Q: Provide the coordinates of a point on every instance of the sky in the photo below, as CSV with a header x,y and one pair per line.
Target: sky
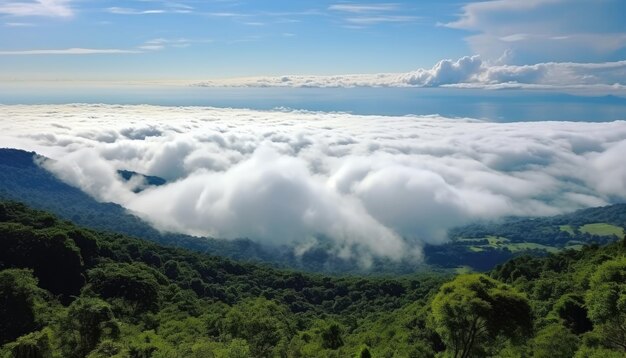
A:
x,y
375,186
209,39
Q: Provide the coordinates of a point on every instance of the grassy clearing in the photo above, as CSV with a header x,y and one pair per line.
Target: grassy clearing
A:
x,y
470,240
496,240
568,229
515,247
462,270
602,229
493,240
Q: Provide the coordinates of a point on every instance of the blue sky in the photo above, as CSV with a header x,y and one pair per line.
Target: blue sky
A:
x,y
194,39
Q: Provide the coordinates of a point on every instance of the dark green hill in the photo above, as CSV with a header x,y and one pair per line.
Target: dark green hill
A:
x,y
22,179
67,291
149,287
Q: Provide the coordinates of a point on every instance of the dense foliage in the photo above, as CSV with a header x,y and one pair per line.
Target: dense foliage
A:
x,y
72,292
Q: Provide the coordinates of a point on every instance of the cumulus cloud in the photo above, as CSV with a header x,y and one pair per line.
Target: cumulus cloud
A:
x,y
469,71
373,185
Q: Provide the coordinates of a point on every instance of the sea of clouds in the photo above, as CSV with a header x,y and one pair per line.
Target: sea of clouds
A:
x,y
466,72
378,185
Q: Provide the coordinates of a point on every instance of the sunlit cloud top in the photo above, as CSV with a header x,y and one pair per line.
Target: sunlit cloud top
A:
x,y
377,186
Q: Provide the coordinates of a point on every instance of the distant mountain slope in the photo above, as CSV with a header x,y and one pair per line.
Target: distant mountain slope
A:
x,y
23,180
483,245
144,180
480,246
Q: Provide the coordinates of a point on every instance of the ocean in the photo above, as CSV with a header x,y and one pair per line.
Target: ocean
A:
x,y
489,105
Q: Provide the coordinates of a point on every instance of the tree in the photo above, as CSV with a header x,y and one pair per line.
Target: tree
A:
x,y
53,257
136,283
594,352
331,336
33,345
475,311
262,323
19,295
606,302
554,341
571,309
88,321
364,352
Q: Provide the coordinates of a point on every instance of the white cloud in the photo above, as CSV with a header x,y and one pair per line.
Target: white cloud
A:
x,y
584,30
19,24
46,8
129,11
372,185
445,72
363,8
379,19
474,15
361,15
162,43
68,51
471,72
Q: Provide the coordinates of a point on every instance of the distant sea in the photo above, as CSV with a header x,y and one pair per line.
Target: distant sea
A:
x,y
490,105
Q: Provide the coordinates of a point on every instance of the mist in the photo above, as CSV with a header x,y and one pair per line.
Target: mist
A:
x,y
374,186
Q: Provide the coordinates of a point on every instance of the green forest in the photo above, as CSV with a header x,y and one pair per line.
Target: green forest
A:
x,y
67,291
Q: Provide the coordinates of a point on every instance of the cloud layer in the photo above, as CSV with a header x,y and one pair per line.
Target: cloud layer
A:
x,y
469,71
379,186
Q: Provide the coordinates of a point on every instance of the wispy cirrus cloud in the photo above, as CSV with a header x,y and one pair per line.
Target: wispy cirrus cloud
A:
x,y
43,8
362,15
156,7
67,51
19,24
129,11
373,20
162,43
364,8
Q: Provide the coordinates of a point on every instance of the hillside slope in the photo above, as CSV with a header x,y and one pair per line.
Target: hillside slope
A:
x,y
23,180
72,292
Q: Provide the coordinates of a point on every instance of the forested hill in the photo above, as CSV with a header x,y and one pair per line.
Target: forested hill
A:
x,y
483,245
150,301
66,291
480,246
23,180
